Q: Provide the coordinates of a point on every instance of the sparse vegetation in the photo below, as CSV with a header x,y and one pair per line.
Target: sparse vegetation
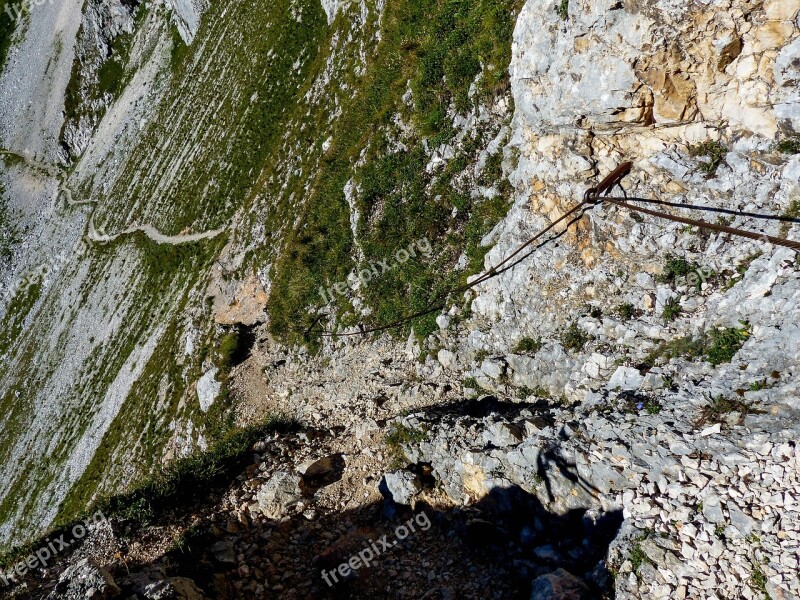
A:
x,y
528,345
720,407
789,145
563,9
402,435
759,581
472,383
725,342
714,151
8,25
792,212
717,346
186,481
638,557
676,267
626,311
672,309
574,338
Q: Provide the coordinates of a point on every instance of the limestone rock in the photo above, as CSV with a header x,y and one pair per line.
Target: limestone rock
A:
x,y
403,486
280,493
86,579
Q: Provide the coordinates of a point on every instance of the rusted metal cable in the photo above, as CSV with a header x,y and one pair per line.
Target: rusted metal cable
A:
x,y
763,237
591,197
491,273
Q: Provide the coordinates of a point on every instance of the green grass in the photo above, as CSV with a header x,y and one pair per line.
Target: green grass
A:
x,y
675,268
86,91
789,145
714,151
792,212
672,309
638,557
725,342
176,486
437,46
626,311
717,346
472,383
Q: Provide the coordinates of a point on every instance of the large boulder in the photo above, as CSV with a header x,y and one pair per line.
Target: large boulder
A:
x,y
403,486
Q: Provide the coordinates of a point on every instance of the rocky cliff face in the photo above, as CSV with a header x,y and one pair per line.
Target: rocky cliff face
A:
x,y
248,176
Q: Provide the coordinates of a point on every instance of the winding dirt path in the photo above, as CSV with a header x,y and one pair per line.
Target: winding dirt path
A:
x,y
101,237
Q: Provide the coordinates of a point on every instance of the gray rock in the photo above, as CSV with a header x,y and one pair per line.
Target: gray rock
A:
x,y
403,486
86,579
281,492
317,467
223,551
626,378
447,359
493,367
559,585
502,434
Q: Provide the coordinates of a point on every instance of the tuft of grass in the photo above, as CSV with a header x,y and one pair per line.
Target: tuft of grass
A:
x,y
626,311
759,581
718,346
792,212
725,342
574,338
720,406
471,382
714,151
672,309
528,345
638,557
402,435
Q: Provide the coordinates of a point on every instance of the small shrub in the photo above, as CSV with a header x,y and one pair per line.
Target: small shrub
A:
x,y
574,338
471,382
563,9
528,345
789,145
714,151
672,309
626,311
676,267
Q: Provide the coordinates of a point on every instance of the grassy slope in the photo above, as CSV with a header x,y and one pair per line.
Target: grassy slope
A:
x,y
240,130
438,47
